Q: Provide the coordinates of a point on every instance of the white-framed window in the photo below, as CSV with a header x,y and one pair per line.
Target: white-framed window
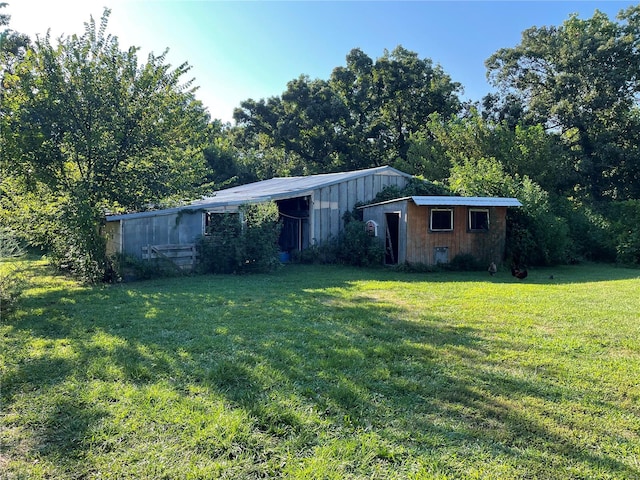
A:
x,y
478,219
441,220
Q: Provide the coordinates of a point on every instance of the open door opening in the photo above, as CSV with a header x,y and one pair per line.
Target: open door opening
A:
x,y
392,231
294,215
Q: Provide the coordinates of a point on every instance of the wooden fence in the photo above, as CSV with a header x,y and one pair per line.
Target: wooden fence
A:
x,y
183,255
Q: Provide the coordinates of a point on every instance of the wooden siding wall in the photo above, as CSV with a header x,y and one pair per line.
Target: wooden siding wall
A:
x,y
330,203
485,246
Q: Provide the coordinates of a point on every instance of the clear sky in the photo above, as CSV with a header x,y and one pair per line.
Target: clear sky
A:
x,y
246,49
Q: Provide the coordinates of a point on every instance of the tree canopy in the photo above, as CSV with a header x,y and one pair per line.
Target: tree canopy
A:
x,y
89,120
362,116
92,127
582,80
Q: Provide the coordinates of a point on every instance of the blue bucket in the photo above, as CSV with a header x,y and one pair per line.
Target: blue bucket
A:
x,y
284,257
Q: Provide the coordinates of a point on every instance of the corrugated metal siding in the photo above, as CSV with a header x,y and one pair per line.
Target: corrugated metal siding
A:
x,y
378,214
114,237
331,202
180,228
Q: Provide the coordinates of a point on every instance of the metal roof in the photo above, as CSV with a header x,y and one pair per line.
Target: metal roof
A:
x,y
466,201
287,187
451,201
278,188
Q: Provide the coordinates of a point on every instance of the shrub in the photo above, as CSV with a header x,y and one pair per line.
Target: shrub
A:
x,y
220,250
324,253
11,287
76,245
536,234
12,282
589,232
241,242
354,246
625,227
465,262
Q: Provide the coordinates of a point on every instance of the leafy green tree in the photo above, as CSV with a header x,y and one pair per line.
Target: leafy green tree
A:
x,y
362,116
507,109
13,47
581,80
355,86
304,121
410,89
391,99
101,131
523,150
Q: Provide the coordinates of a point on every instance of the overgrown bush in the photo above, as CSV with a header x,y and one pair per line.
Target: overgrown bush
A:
x,y
354,246
324,253
536,234
12,284
465,262
220,250
78,247
589,232
625,229
242,242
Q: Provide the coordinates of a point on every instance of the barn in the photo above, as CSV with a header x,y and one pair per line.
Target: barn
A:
x,y
311,209
429,230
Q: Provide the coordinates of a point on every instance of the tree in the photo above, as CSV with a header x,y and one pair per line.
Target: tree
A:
x,y
100,131
582,80
362,116
13,47
391,99
410,89
305,120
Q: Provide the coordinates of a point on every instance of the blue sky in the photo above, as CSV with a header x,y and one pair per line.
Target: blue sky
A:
x,y
243,49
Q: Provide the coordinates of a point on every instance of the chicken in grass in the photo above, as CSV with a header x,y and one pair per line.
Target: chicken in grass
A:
x,y
519,272
492,269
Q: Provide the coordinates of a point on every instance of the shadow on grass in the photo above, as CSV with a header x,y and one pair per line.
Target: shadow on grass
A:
x,y
305,358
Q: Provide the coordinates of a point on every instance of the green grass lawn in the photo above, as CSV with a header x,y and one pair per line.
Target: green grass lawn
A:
x,y
325,372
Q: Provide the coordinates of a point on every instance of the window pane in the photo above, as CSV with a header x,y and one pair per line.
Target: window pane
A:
x,y
478,220
441,219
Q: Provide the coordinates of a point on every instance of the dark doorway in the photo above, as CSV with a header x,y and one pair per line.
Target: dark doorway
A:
x,y
392,230
294,215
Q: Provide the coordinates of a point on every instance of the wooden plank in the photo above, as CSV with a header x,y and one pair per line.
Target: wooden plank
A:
x,y
184,256
175,246
485,246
